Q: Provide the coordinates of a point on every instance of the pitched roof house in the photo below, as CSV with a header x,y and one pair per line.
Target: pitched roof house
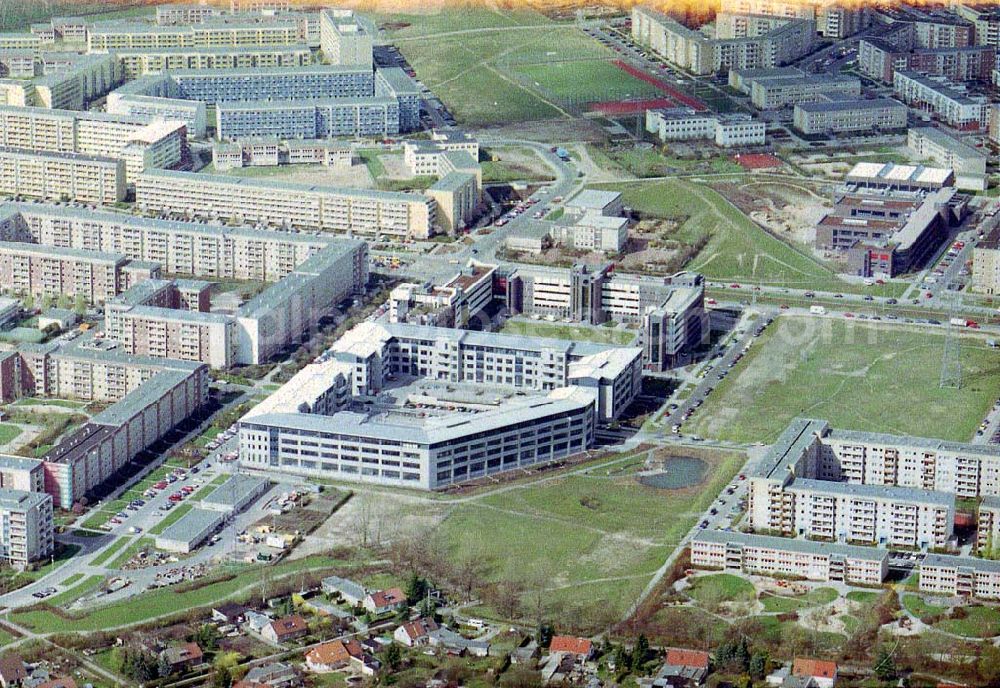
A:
x,y
285,629
567,644
414,633
822,672
183,657
385,601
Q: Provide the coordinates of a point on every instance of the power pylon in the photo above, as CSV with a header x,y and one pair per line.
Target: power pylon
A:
x,y
951,358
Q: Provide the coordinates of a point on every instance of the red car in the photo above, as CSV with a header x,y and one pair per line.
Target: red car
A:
x,y
848,315
734,286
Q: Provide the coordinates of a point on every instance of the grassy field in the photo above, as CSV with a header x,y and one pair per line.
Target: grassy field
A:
x,y
587,81
814,598
602,335
858,377
35,401
8,432
165,601
736,249
591,540
17,16
111,551
524,63
719,587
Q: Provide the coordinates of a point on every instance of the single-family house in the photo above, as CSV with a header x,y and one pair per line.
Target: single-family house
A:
x,y
180,658
63,682
821,671
229,613
414,633
285,629
455,643
257,621
682,668
571,645
384,601
274,675
352,593
337,654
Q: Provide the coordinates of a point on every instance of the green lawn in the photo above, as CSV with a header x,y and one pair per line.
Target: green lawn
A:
x,y
371,159
780,604
37,401
602,335
720,587
587,81
856,376
111,551
131,551
500,76
76,592
736,249
72,579
8,432
863,596
171,518
592,540
979,622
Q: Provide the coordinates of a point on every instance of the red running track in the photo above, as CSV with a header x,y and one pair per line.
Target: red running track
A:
x,y
631,107
678,96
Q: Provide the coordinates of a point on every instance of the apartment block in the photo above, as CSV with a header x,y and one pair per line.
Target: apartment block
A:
x,y
847,486
968,163
741,41
305,206
764,555
772,93
343,39
847,116
151,61
985,20
833,19
184,13
60,176
26,527
47,271
72,81
964,576
946,100
988,527
124,35
20,473
986,264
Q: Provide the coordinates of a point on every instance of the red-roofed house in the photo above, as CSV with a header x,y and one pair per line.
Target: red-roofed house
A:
x,y
823,672
65,682
567,644
384,601
414,633
286,628
684,667
335,655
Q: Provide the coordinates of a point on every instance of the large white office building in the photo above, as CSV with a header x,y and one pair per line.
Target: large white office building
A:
x,y
310,427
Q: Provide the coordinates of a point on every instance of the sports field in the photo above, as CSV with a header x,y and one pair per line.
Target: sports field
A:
x,y
856,376
497,67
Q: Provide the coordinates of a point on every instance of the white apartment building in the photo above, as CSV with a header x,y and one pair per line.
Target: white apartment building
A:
x,y
968,163
60,176
862,487
948,101
965,576
785,557
26,528
741,41
986,264
592,232
285,204
122,35
20,473
143,61
846,116
833,19
684,124
988,526
772,93
344,40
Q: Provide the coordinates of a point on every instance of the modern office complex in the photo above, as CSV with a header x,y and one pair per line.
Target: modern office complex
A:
x,y
741,41
452,304
848,116
885,231
286,204
573,385
928,473
685,124
61,176
26,527
946,100
784,557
